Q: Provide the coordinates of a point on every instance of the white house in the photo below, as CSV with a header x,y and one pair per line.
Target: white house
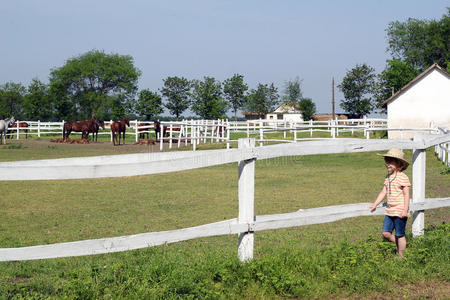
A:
x,y
288,111
424,100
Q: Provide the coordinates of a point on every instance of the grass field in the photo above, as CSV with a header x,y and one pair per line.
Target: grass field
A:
x,y
340,259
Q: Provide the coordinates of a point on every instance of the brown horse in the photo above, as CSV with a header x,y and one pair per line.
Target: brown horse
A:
x,y
157,126
144,131
118,127
85,127
13,129
94,126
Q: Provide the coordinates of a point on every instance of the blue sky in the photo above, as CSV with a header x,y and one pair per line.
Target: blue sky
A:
x,y
266,41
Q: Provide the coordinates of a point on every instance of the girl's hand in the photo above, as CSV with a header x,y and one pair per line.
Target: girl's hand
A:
x,y
404,214
372,207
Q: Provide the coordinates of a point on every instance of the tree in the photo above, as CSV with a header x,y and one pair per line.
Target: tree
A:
x,y
357,87
308,108
149,104
262,100
292,90
11,100
89,80
37,104
420,43
207,100
395,76
176,90
234,89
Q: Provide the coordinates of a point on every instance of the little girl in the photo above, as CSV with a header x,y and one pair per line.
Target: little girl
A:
x,y
396,188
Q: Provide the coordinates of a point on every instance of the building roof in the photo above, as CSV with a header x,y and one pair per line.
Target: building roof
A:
x,y
288,107
434,66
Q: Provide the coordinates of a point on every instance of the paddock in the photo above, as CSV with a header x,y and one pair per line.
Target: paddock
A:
x,y
246,223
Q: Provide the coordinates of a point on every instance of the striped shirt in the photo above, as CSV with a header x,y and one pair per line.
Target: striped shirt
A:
x,y
394,184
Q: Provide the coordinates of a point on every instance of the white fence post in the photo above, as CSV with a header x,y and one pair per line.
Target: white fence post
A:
x,y
136,131
39,128
171,136
228,134
418,176
161,137
246,202
17,130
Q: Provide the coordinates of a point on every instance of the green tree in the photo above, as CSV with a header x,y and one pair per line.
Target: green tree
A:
x,y
420,43
37,104
292,91
149,104
176,91
395,76
11,100
234,90
308,108
358,86
207,100
89,80
263,99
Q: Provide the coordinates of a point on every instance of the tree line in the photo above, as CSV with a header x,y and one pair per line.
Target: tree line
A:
x,y
106,85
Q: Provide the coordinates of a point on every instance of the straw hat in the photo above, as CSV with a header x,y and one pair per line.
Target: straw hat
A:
x,y
397,154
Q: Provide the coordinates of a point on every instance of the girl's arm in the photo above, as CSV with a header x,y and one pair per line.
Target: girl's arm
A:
x,y
406,202
380,198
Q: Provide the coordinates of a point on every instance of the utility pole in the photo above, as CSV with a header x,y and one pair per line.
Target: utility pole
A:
x,y
333,116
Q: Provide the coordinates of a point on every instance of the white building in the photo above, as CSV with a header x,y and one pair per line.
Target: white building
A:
x,y
423,101
288,111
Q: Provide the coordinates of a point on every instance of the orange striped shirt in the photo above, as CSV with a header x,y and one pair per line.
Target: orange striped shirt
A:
x,y
394,186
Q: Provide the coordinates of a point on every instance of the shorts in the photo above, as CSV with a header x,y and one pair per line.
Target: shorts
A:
x,y
397,223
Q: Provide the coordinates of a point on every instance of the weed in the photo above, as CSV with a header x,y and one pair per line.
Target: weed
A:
x,y
445,171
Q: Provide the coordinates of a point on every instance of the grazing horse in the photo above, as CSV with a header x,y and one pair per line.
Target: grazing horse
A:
x,y
84,127
4,124
157,126
118,127
21,125
95,126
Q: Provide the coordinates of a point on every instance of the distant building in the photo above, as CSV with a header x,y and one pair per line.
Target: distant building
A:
x,y
253,116
328,117
288,111
423,100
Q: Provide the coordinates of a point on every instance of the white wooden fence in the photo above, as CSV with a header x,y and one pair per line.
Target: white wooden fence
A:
x,y
246,223
194,132
443,150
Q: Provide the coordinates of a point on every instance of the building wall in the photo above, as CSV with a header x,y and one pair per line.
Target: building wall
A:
x,y
428,100
293,117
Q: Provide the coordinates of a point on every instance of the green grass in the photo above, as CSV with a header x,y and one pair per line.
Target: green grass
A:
x,y
327,260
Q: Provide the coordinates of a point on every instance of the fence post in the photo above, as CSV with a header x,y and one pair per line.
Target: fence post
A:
x,y
246,202
17,129
418,176
171,136
136,131
39,128
228,134
161,137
